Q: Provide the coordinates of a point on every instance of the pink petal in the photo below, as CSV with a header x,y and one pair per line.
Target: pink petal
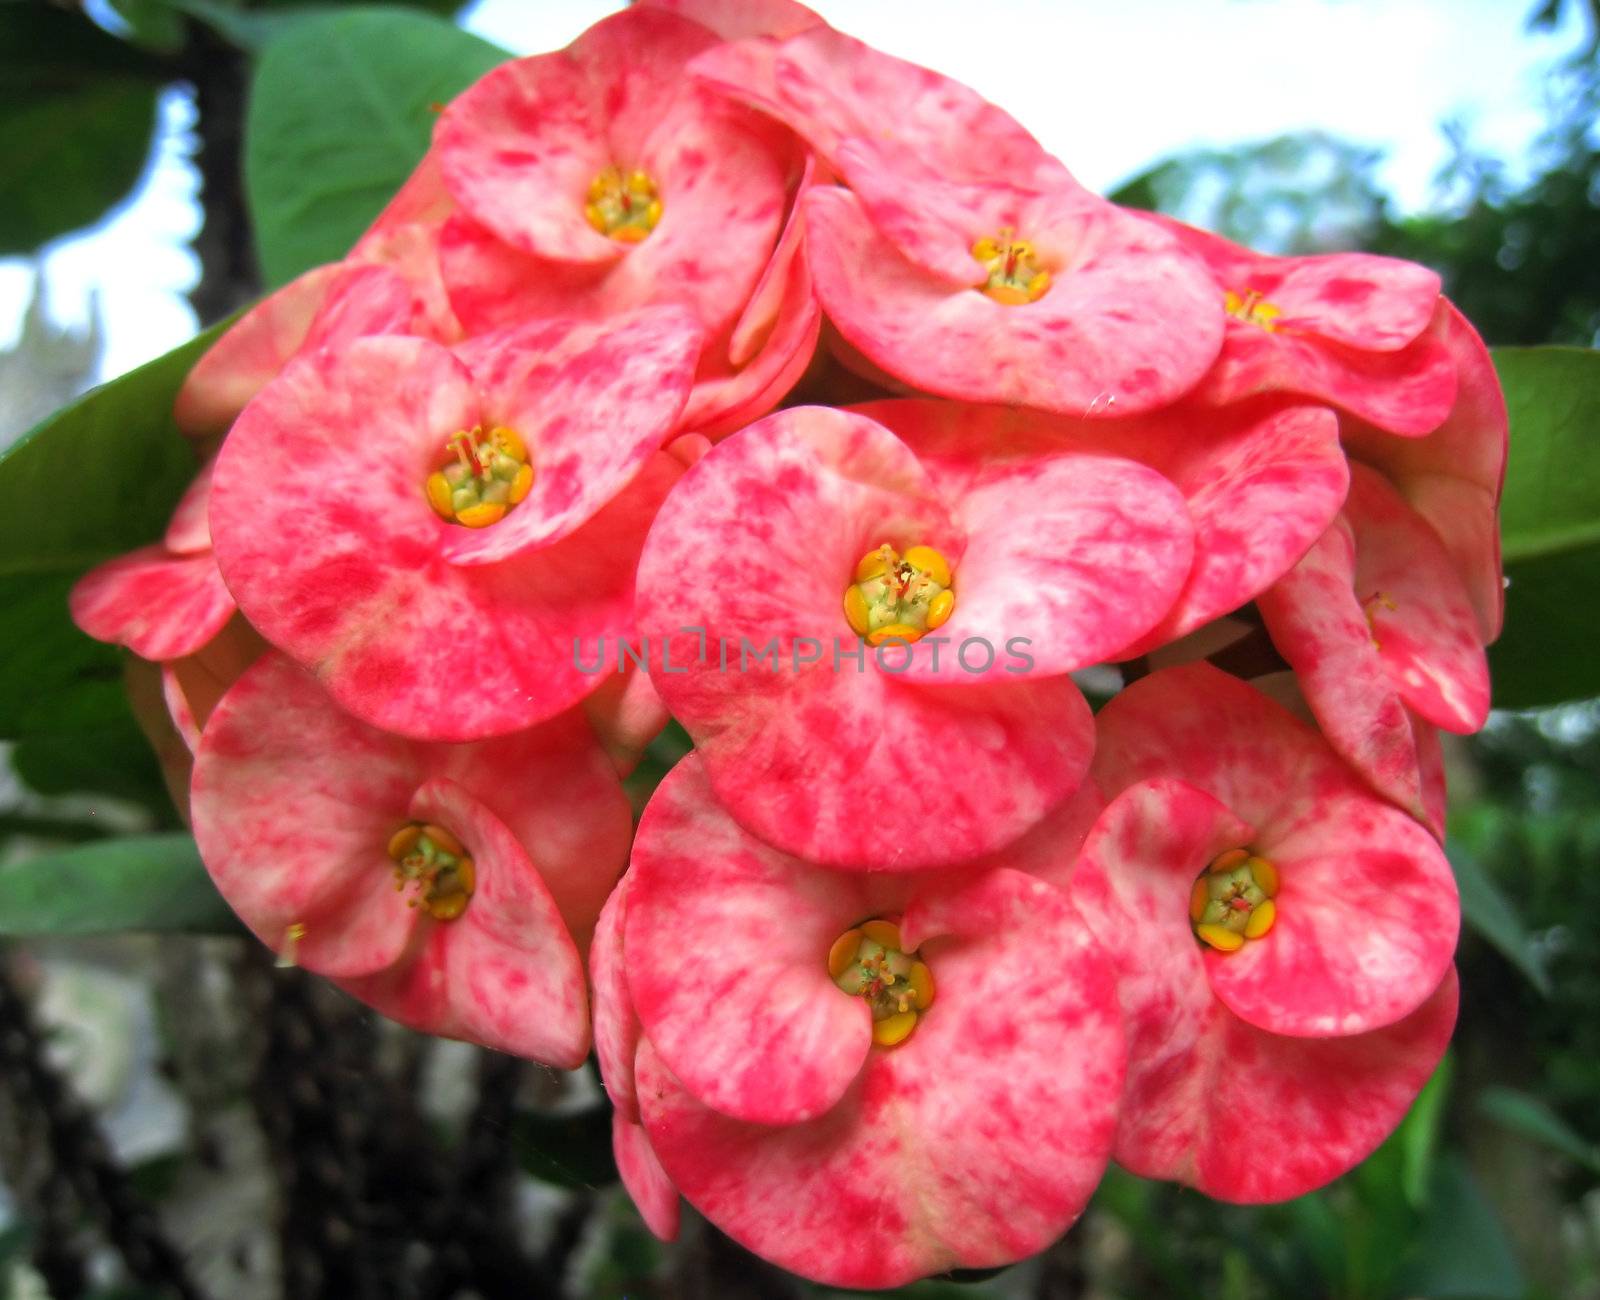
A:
x,y
616,1027
1452,476
1124,328
727,943
337,557
1314,1106
828,87
592,403
160,605
973,1144
189,531
1079,553
293,804
734,20
626,713
756,546
328,304
505,973
1318,625
422,201
1428,641
192,686
647,1183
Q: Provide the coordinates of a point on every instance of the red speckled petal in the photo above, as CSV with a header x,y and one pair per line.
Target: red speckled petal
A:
x,y
616,1027
326,305
1129,325
520,147
192,685
974,1143
646,1181
293,804
1318,625
422,201
189,529
505,973
1430,763
626,713
756,546
1428,640
1317,1106
1452,477
160,605
592,403
827,87
736,20
1079,554
727,950
336,557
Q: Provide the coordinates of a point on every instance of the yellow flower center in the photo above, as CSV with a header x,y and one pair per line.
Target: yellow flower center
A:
x,y
1232,901
868,962
1015,276
625,206
481,477
1252,309
898,596
430,863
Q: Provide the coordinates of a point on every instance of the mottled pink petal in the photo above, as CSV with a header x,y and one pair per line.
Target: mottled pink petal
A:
x,y
616,1026
339,560
1367,911
1079,553
192,685
423,201
828,87
1452,476
974,1143
646,1181
756,547
1313,1107
592,402
727,944
1128,324
505,973
328,304
735,20
159,605
294,803
627,714
189,529
1318,625
1422,621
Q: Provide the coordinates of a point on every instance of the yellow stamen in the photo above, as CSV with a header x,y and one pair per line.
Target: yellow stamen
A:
x,y
884,933
404,840
1261,919
900,631
855,610
940,608
894,1029
481,515
1015,277
442,839
873,564
921,985
627,207
899,597
1198,897
521,484
1266,876
930,562
439,495
1229,860
1252,308
843,953
1220,938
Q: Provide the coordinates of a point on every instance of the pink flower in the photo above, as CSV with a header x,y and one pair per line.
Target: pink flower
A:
x,y
452,887
1283,941
1376,624
788,565
864,1078
165,601
1452,476
601,178
430,531
1348,328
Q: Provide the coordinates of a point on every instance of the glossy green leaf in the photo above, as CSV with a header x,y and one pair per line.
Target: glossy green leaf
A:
x,y
77,113
1550,528
1487,910
1529,1117
135,882
1461,1251
341,110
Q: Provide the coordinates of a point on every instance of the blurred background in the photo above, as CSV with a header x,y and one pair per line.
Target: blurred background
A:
x,y
179,1118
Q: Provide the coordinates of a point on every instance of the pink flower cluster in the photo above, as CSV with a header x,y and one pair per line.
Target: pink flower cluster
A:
x,y
723,366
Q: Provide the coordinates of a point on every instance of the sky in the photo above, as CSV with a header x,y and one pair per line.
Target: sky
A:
x,y
1109,89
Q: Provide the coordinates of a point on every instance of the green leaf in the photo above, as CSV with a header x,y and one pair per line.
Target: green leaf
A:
x,y
571,1149
1550,527
341,110
154,24
1489,912
78,116
1529,1117
1418,1135
136,882
1461,1251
